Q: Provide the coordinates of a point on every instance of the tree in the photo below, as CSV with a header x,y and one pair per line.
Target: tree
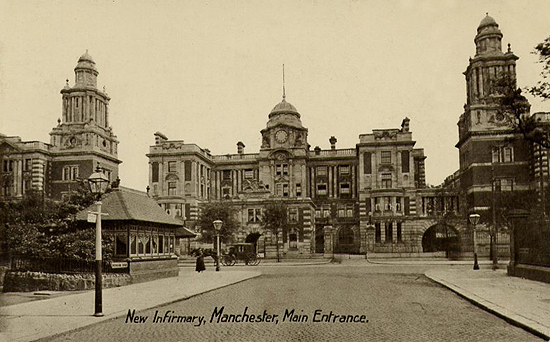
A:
x,y
542,89
275,219
40,227
219,210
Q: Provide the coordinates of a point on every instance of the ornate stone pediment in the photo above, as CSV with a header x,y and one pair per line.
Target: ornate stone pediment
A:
x,y
386,168
389,134
172,145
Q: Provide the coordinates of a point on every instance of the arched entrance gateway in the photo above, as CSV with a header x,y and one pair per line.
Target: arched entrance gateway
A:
x,y
347,240
441,238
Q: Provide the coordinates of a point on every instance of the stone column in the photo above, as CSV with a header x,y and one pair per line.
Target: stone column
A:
x,y
329,233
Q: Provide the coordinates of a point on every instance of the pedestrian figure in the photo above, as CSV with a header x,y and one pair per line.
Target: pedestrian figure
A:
x,y
200,262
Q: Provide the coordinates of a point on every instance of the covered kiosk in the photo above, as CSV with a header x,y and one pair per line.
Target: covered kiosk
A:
x,y
144,234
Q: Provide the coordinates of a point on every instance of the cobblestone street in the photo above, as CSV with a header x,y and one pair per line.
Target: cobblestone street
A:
x,y
399,303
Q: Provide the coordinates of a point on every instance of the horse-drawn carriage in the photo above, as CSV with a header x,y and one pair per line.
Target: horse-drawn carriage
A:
x,y
240,252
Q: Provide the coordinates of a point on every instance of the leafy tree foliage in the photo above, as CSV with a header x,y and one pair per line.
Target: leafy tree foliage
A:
x,y
542,89
219,210
275,219
40,227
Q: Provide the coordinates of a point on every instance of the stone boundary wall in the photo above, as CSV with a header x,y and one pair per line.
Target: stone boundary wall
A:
x,y
37,281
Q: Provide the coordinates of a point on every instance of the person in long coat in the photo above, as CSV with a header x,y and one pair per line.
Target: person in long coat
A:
x,y
199,267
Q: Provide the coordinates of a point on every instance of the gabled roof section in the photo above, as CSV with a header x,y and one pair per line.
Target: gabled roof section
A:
x,y
126,204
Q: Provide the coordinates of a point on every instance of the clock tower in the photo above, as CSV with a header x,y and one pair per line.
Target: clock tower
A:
x,y
83,137
283,153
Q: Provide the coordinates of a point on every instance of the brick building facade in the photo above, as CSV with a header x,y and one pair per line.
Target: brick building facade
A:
x,y
81,140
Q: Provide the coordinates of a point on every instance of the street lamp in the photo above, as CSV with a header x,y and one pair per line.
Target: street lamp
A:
x,y
218,227
474,219
98,183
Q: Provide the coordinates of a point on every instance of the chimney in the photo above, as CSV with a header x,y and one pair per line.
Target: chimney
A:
x,y
240,147
333,141
160,138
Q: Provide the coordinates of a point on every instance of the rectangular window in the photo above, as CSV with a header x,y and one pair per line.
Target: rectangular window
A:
x,y
298,189
385,157
399,232
367,163
386,180
496,155
155,170
70,173
285,169
251,215
74,173
226,174
171,166
285,190
405,158
248,174
344,169
317,213
321,170
172,188
326,211
508,154
187,170
344,188
407,205
349,211
377,204
322,189
293,214
377,232
254,215
342,212
179,210
28,164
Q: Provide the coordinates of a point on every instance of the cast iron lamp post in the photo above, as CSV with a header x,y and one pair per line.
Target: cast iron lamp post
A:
x,y
98,183
474,219
218,227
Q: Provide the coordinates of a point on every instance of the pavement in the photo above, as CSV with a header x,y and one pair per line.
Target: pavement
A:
x,y
520,302
38,319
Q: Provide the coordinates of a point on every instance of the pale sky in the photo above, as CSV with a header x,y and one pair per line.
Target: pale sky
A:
x,y
209,72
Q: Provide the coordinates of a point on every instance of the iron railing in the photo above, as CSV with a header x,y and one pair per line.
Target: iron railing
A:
x,y
60,265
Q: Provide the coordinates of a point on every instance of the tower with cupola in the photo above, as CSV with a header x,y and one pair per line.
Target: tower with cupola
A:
x,y
83,136
492,156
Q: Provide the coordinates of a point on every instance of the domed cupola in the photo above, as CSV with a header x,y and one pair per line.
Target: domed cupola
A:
x,y
86,72
284,113
488,38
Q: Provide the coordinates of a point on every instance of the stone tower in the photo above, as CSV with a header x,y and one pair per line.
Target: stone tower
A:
x,y
83,136
491,157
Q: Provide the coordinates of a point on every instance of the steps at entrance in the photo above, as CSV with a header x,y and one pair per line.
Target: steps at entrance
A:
x,y
420,256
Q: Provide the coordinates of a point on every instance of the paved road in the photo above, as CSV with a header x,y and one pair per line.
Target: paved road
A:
x,y
398,302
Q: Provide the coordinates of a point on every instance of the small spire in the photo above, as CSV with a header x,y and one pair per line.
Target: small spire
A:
x,y
509,47
284,94
486,13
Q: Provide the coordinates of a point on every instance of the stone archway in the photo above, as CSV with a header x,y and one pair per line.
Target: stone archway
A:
x,y
441,238
347,240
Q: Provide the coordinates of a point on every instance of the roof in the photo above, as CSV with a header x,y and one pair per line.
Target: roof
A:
x,y
124,204
183,232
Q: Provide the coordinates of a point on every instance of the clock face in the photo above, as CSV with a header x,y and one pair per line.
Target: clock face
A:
x,y
281,136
